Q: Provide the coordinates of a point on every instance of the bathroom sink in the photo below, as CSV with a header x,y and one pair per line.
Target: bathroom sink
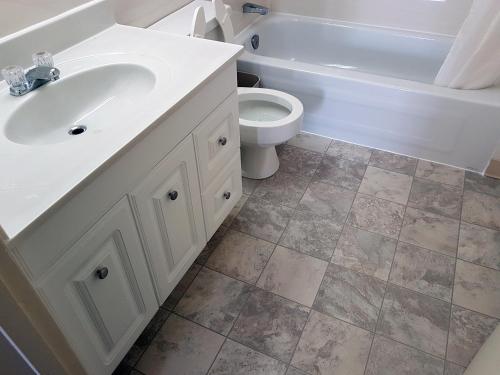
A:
x,y
88,100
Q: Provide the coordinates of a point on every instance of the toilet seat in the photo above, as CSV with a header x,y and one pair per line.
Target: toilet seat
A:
x,y
275,126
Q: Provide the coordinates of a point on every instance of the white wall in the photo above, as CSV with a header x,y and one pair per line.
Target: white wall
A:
x,y
438,16
18,14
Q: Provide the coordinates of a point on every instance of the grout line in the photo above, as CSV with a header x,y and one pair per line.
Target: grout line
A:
x,y
411,347
454,272
480,225
387,282
476,264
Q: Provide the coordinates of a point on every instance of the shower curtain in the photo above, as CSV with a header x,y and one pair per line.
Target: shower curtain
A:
x,y
474,59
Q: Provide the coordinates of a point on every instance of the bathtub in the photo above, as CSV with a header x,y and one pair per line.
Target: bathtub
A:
x,y
373,86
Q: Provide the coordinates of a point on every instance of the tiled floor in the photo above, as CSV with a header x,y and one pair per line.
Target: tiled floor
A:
x,y
347,261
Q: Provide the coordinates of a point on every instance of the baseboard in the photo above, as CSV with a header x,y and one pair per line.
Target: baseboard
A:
x,y
493,169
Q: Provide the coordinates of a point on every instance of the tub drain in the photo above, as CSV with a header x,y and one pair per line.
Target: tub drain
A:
x,y
76,130
255,41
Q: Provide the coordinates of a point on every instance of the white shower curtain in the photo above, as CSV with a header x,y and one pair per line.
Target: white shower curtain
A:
x,y
474,59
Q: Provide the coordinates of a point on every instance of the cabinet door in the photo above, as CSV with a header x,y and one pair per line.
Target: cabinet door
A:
x,y
100,291
217,139
169,211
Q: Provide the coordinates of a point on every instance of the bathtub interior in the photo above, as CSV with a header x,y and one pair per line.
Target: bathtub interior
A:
x,y
407,55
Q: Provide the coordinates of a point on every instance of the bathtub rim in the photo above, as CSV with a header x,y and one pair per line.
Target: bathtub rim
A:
x,y
488,96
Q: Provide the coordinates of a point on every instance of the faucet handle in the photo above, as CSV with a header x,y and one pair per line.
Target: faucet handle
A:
x,y
43,58
14,76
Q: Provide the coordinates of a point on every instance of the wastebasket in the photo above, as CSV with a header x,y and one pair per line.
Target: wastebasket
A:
x,y
248,80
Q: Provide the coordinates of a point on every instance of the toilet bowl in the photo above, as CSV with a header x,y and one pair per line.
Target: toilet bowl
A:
x,y
267,118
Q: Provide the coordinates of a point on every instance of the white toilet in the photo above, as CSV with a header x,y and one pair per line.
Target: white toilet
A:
x,y
267,118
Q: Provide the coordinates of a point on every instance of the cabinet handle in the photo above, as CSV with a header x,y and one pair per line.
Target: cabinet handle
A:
x,y
173,195
227,195
102,272
222,141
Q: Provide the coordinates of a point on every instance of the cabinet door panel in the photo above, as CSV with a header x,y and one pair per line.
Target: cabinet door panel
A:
x,y
217,138
169,211
111,321
100,292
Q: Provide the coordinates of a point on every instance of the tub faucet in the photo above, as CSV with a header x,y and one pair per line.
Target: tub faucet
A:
x,y
22,82
254,8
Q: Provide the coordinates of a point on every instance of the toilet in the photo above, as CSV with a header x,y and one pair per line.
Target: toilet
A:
x,y
267,117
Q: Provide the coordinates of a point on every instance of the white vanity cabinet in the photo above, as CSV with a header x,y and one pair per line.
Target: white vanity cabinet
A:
x,y
100,291
105,258
169,212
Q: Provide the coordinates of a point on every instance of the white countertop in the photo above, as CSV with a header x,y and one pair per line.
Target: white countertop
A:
x,y
34,178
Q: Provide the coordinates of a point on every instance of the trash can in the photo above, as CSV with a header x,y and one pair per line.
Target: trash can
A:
x,y
248,80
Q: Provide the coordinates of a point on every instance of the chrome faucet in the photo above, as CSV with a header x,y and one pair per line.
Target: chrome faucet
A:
x,y
255,8
21,82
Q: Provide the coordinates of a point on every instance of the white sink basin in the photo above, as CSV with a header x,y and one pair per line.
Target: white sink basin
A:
x,y
92,94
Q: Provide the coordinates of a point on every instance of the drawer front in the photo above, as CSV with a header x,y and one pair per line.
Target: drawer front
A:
x,y
100,292
168,207
216,139
222,195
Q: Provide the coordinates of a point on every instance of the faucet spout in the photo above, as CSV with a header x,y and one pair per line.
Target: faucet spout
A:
x,y
255,8
43,73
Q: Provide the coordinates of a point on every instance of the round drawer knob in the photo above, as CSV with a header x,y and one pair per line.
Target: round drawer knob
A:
x,y
102,272
227,195
173,195
222,141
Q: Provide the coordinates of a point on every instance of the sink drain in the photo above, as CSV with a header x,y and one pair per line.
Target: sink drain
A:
x,y
76,130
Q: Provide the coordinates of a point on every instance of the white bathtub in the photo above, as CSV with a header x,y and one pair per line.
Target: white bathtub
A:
x,y
373,86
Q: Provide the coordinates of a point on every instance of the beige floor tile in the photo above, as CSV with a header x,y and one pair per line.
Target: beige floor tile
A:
x,y
437,198
181,347
393,162
415,320
440,173
468,332
477,288
430,231
376,215
241,256
365,252
213,300
388,357
423,271
236,359
479,245
386,185
293,275
310,142
349,151
481,209
329,346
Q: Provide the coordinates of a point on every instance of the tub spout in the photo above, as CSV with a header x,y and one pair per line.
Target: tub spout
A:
x,y
254,8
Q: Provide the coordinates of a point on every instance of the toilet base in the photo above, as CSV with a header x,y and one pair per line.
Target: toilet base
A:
x,y
259,162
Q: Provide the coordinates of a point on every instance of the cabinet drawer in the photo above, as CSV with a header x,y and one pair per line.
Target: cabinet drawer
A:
x,y
222,195
100,292
168,207
216,139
